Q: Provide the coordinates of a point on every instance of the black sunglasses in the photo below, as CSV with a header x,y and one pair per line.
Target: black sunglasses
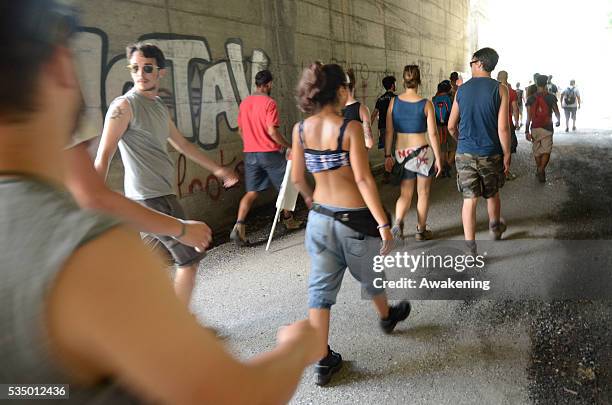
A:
x,y
145,68
473,61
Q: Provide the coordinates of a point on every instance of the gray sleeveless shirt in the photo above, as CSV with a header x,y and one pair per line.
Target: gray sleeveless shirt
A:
x,y
149,171
40,227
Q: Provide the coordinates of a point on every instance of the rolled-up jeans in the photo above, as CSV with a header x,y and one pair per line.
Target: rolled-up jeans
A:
x,y
333,247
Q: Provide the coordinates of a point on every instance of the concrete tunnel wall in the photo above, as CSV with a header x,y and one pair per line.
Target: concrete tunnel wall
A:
x,y
216,47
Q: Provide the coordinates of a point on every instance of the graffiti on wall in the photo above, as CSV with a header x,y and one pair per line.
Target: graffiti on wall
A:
x,y
365,75
201,92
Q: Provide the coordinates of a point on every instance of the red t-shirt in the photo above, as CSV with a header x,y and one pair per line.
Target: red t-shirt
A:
x,y
513,98
256,114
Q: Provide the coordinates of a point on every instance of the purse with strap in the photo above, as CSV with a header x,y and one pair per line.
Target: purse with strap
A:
x,y
361,220
398,168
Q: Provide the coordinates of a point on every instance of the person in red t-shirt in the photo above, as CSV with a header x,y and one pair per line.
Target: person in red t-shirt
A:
x,y
264,147
513,114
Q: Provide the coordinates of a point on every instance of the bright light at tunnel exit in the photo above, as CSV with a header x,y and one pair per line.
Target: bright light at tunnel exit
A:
x,y
565,38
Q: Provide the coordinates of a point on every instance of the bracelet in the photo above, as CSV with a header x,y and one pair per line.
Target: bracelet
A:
x,y
383,226
388,156
183,229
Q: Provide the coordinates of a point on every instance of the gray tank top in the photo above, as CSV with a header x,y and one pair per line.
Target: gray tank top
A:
x,y
40,227
149,171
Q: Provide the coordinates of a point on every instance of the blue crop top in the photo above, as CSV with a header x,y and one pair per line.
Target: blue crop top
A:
x,y
409,117
322,160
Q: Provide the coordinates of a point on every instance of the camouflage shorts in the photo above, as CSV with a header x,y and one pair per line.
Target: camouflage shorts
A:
x,y
479,176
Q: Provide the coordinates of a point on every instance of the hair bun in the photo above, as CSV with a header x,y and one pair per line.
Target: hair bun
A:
x,y
310,85
318,86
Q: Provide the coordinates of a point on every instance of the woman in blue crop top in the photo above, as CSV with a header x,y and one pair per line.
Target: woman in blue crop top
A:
x,y
412,117
345,194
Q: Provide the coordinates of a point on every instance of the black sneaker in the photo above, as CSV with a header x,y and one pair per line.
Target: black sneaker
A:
x,y
397,313
327,367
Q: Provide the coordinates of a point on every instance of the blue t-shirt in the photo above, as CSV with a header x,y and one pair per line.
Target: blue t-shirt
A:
x,y
479,103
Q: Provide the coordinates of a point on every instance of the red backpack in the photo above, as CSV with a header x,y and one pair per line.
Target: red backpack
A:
x,y
541,115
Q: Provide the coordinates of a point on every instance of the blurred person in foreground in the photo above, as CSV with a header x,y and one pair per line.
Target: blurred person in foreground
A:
x,y
82,301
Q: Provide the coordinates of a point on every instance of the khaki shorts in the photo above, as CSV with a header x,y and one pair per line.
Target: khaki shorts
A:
x,y
479,176
542,141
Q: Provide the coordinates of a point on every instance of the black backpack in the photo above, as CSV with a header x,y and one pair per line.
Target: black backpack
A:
x,y
570,96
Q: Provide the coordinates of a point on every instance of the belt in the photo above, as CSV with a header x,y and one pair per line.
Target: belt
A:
x,y
343,216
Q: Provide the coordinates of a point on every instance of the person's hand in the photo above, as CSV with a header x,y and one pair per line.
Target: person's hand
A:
x,y
197,235
308,201
387,240
439,168
528,136
302,335
507,159
389,164
228,176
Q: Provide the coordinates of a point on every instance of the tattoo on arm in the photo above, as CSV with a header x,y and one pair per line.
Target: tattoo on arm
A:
x,y
117,113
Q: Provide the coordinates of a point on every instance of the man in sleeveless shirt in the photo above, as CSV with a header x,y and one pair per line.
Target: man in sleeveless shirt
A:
x,y
89,190
82,301
139,123
483,151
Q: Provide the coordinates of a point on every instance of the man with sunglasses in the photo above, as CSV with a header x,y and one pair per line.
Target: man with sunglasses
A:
x,y
139,124
483,155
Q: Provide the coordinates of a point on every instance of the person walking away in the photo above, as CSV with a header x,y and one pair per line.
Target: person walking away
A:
x,y
442,106
264,155
551,87
347,220
412,117
520,102
380,113
539,126
533,87
355,111
480,115
570,101
454,81
513,115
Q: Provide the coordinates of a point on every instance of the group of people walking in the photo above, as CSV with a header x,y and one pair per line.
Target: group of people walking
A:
x,y
84,302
